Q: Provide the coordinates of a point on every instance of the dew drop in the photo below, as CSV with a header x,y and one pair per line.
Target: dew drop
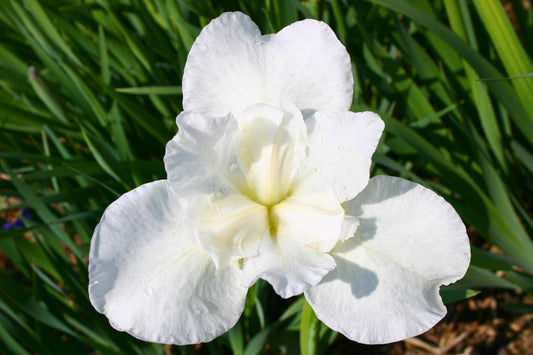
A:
x,y
149,291
201,309
323,141
216,208
201,47
258,42
340,148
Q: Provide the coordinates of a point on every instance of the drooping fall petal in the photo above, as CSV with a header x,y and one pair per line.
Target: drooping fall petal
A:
x,y
409,242
150,280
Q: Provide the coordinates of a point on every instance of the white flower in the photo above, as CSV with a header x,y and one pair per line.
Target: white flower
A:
x,y
268,177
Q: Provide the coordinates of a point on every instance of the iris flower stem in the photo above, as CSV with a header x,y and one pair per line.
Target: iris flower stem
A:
x,y
309,335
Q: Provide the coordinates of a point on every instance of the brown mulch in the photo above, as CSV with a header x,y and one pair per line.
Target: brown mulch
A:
x,y
477,326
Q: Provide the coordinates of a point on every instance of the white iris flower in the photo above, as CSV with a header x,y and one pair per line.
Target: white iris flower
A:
x,y
268,177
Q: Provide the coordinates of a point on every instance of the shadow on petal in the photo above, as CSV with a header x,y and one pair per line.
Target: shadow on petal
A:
x,y
363,282
366,231
372,196
102,279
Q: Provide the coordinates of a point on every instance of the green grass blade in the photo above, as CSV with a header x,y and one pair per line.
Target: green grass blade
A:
x,y
477,277
9,342
236,340
104,156
44,94
151,90
520,113
49,29
511,52
309,325
449,296
31,307
104,56
43,211
461,24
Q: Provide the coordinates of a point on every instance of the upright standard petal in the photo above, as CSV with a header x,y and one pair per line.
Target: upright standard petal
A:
x,y
225,69
201,158
271,145
151,281
386,284
231,66
341,145
308,66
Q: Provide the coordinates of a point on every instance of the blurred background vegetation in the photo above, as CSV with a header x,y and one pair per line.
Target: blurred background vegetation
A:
x,y
89,90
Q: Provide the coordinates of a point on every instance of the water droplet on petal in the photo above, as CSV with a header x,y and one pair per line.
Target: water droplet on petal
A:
x,y
323,141
201,47
258,41
149,291
340,148
216,208
201,309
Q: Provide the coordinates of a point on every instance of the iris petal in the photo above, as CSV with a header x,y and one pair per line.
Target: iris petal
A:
x,y
231,66
341,145
271,145
311,220
288,266
231,228
386,284
149,278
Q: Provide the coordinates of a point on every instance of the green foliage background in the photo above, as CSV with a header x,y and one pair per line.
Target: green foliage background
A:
x,y
89,90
